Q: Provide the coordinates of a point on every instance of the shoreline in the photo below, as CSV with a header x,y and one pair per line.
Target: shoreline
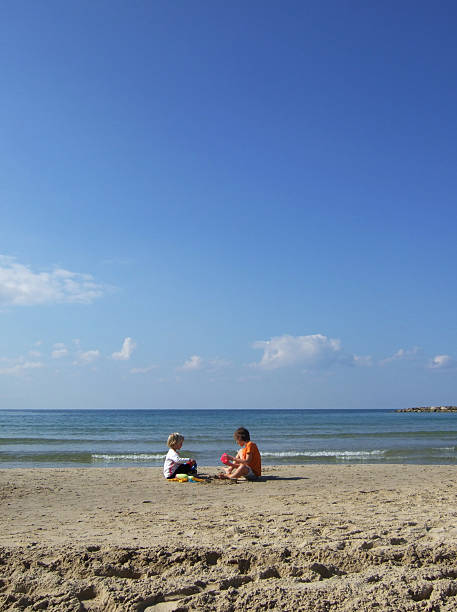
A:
x,y
124,539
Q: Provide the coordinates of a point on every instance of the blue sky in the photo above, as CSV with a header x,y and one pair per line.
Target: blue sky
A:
x,y
228,205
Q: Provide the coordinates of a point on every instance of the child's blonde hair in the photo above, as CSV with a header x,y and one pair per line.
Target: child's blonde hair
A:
x,y
174,439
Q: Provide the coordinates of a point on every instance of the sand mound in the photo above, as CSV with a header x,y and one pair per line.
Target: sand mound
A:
x,y
384,576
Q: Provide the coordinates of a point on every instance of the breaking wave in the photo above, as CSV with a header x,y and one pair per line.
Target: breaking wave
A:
x,y
128,457
323,453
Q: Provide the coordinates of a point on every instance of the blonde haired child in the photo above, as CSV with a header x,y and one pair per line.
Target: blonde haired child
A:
x,y
174,464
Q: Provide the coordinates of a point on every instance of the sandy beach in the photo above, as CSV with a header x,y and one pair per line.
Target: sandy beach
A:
x,y
321,538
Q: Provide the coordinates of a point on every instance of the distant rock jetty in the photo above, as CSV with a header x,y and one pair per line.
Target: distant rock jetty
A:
x,y
429,409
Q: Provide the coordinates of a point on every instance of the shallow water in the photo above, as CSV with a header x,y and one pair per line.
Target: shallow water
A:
x,y
65,438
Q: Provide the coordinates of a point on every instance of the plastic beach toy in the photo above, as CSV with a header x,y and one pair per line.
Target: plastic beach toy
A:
x,y
224,458
186,478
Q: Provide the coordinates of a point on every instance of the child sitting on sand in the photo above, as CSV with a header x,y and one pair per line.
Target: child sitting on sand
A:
x,y
173,463
247,462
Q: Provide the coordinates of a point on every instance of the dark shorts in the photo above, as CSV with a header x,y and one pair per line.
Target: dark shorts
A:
x,y
184,468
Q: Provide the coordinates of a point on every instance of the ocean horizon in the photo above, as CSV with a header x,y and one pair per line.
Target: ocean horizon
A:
x,y
137,437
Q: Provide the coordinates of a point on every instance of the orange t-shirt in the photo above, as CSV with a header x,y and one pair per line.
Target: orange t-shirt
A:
x,y
256,462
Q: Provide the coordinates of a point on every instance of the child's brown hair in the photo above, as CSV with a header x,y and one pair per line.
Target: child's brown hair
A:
x,y
242,434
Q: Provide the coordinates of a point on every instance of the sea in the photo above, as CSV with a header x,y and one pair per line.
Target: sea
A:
x,y
125,438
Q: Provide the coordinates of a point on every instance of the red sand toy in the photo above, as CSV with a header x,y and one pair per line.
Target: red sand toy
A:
x,y
225,459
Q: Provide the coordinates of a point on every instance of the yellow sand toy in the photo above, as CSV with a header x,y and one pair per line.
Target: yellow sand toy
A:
x,y
186,478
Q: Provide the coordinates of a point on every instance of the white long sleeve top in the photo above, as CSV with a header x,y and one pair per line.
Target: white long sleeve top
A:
x,y
172,460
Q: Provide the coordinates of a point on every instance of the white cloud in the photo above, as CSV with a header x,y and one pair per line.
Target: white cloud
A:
x,y
401,354
35,354
87,357
126,351
60,350
218,363
20,368
21,286
363,360
313,351
442,362
193,363
143,370
243,379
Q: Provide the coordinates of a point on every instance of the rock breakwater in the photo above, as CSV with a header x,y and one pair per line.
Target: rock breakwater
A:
x,y
429,409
